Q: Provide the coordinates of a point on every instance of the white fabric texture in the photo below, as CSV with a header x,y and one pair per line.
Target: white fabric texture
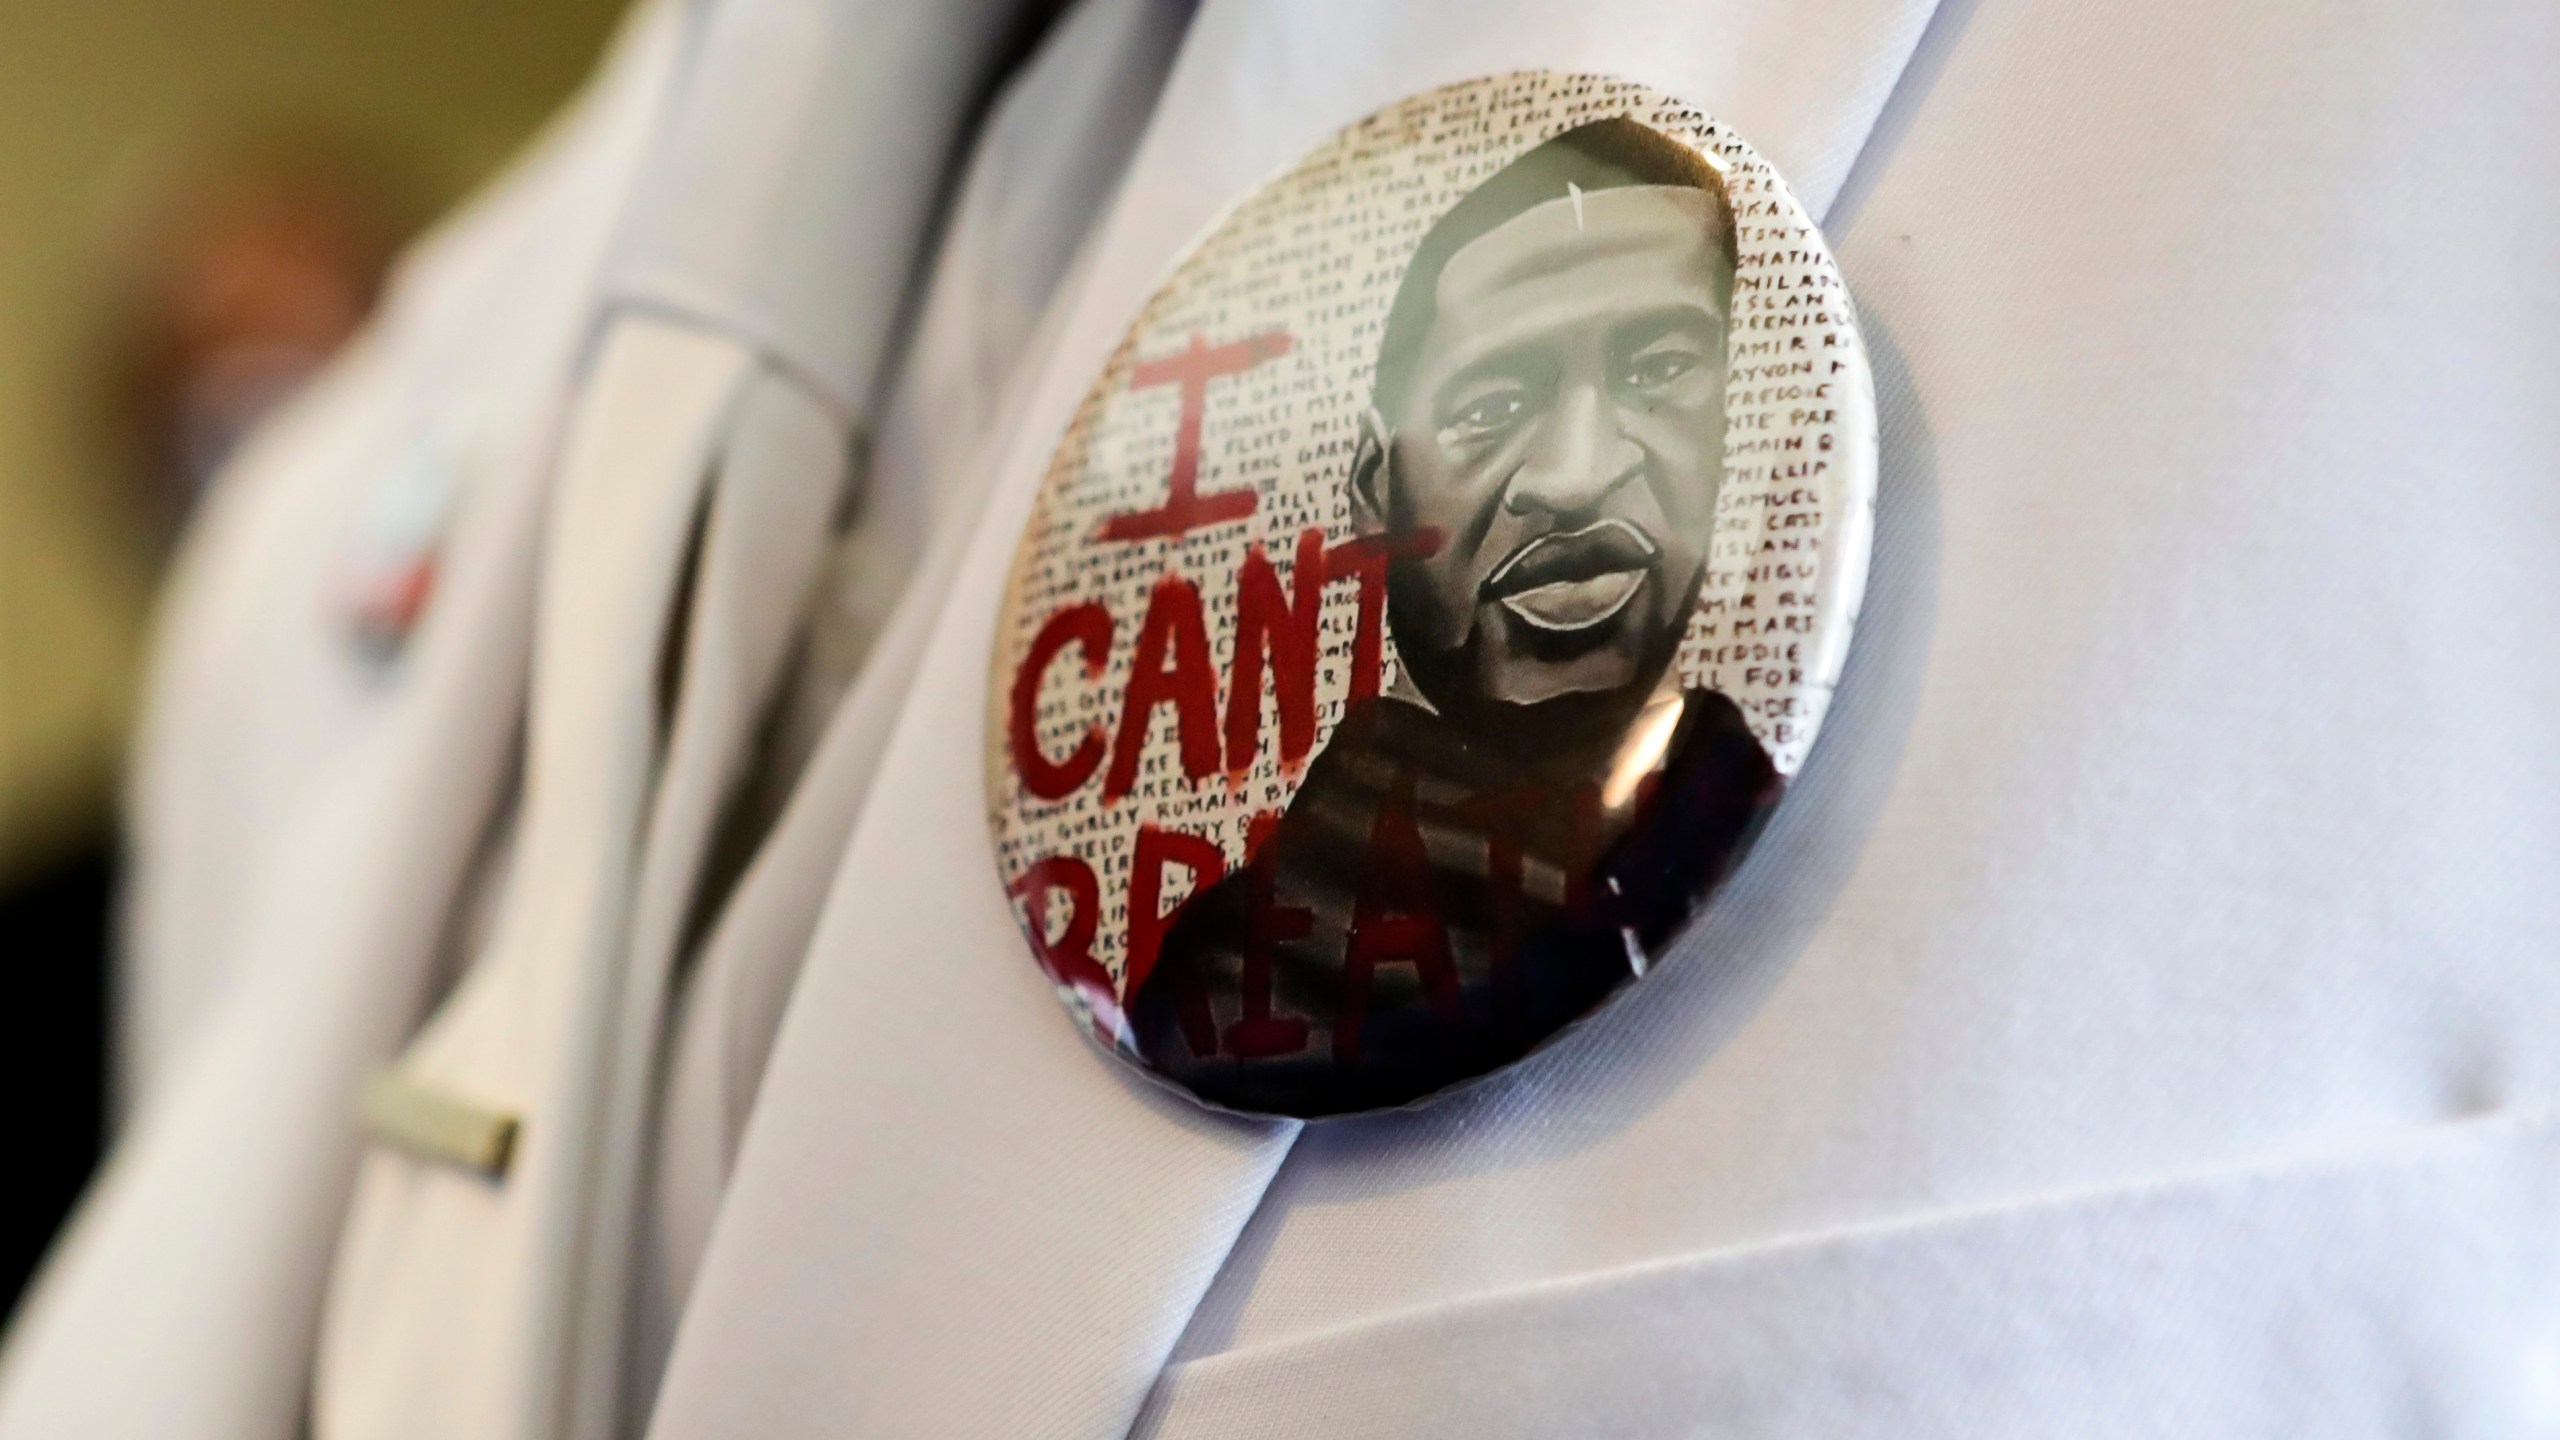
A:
x,y
2155,828
1049,156
183,1299
765,530
2136,1022
2342,1296
800,173
2181,812
1011,1233
1046,161
256,687
462,1307
446,1313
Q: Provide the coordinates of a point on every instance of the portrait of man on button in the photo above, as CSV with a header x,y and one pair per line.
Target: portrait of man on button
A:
x,y
1488,849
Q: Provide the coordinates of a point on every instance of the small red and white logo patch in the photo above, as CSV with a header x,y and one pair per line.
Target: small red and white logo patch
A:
x,y
397,547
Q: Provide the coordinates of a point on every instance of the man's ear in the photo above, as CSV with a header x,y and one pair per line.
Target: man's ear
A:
x,y
1371,473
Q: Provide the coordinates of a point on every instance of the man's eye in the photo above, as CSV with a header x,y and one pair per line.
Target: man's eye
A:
x,y
1659,367
1488,412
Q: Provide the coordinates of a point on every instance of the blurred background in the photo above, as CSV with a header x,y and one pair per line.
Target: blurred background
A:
x,y
197,202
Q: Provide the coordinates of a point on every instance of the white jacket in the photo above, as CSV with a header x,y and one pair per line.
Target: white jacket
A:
x,y
736,335
2133,1023
306,813
744,323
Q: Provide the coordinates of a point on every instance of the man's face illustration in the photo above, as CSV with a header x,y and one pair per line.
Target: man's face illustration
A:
x,y
1562,430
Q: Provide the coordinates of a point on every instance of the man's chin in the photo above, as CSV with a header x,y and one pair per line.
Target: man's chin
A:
x,y
1544,710
1526,685
1564,731
1519,664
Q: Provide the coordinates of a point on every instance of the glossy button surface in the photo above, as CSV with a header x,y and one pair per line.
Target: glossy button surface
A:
x,y
1431,597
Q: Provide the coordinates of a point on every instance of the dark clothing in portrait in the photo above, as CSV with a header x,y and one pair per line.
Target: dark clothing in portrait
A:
x,y
1429,908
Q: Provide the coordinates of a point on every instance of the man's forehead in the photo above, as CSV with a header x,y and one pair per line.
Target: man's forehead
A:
x,y
1669,223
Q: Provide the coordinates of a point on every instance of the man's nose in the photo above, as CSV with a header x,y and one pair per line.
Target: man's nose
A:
x,y
1577,456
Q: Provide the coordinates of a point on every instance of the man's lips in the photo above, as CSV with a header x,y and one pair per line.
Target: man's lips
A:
x,y
1575,580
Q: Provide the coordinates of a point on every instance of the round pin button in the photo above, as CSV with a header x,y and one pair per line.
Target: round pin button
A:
x,y
1432,596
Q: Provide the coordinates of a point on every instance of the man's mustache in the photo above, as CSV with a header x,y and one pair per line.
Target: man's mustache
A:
x,y
1601,548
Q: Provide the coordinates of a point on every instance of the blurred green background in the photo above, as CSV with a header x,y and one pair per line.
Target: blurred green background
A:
x,y
143,248
102,103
